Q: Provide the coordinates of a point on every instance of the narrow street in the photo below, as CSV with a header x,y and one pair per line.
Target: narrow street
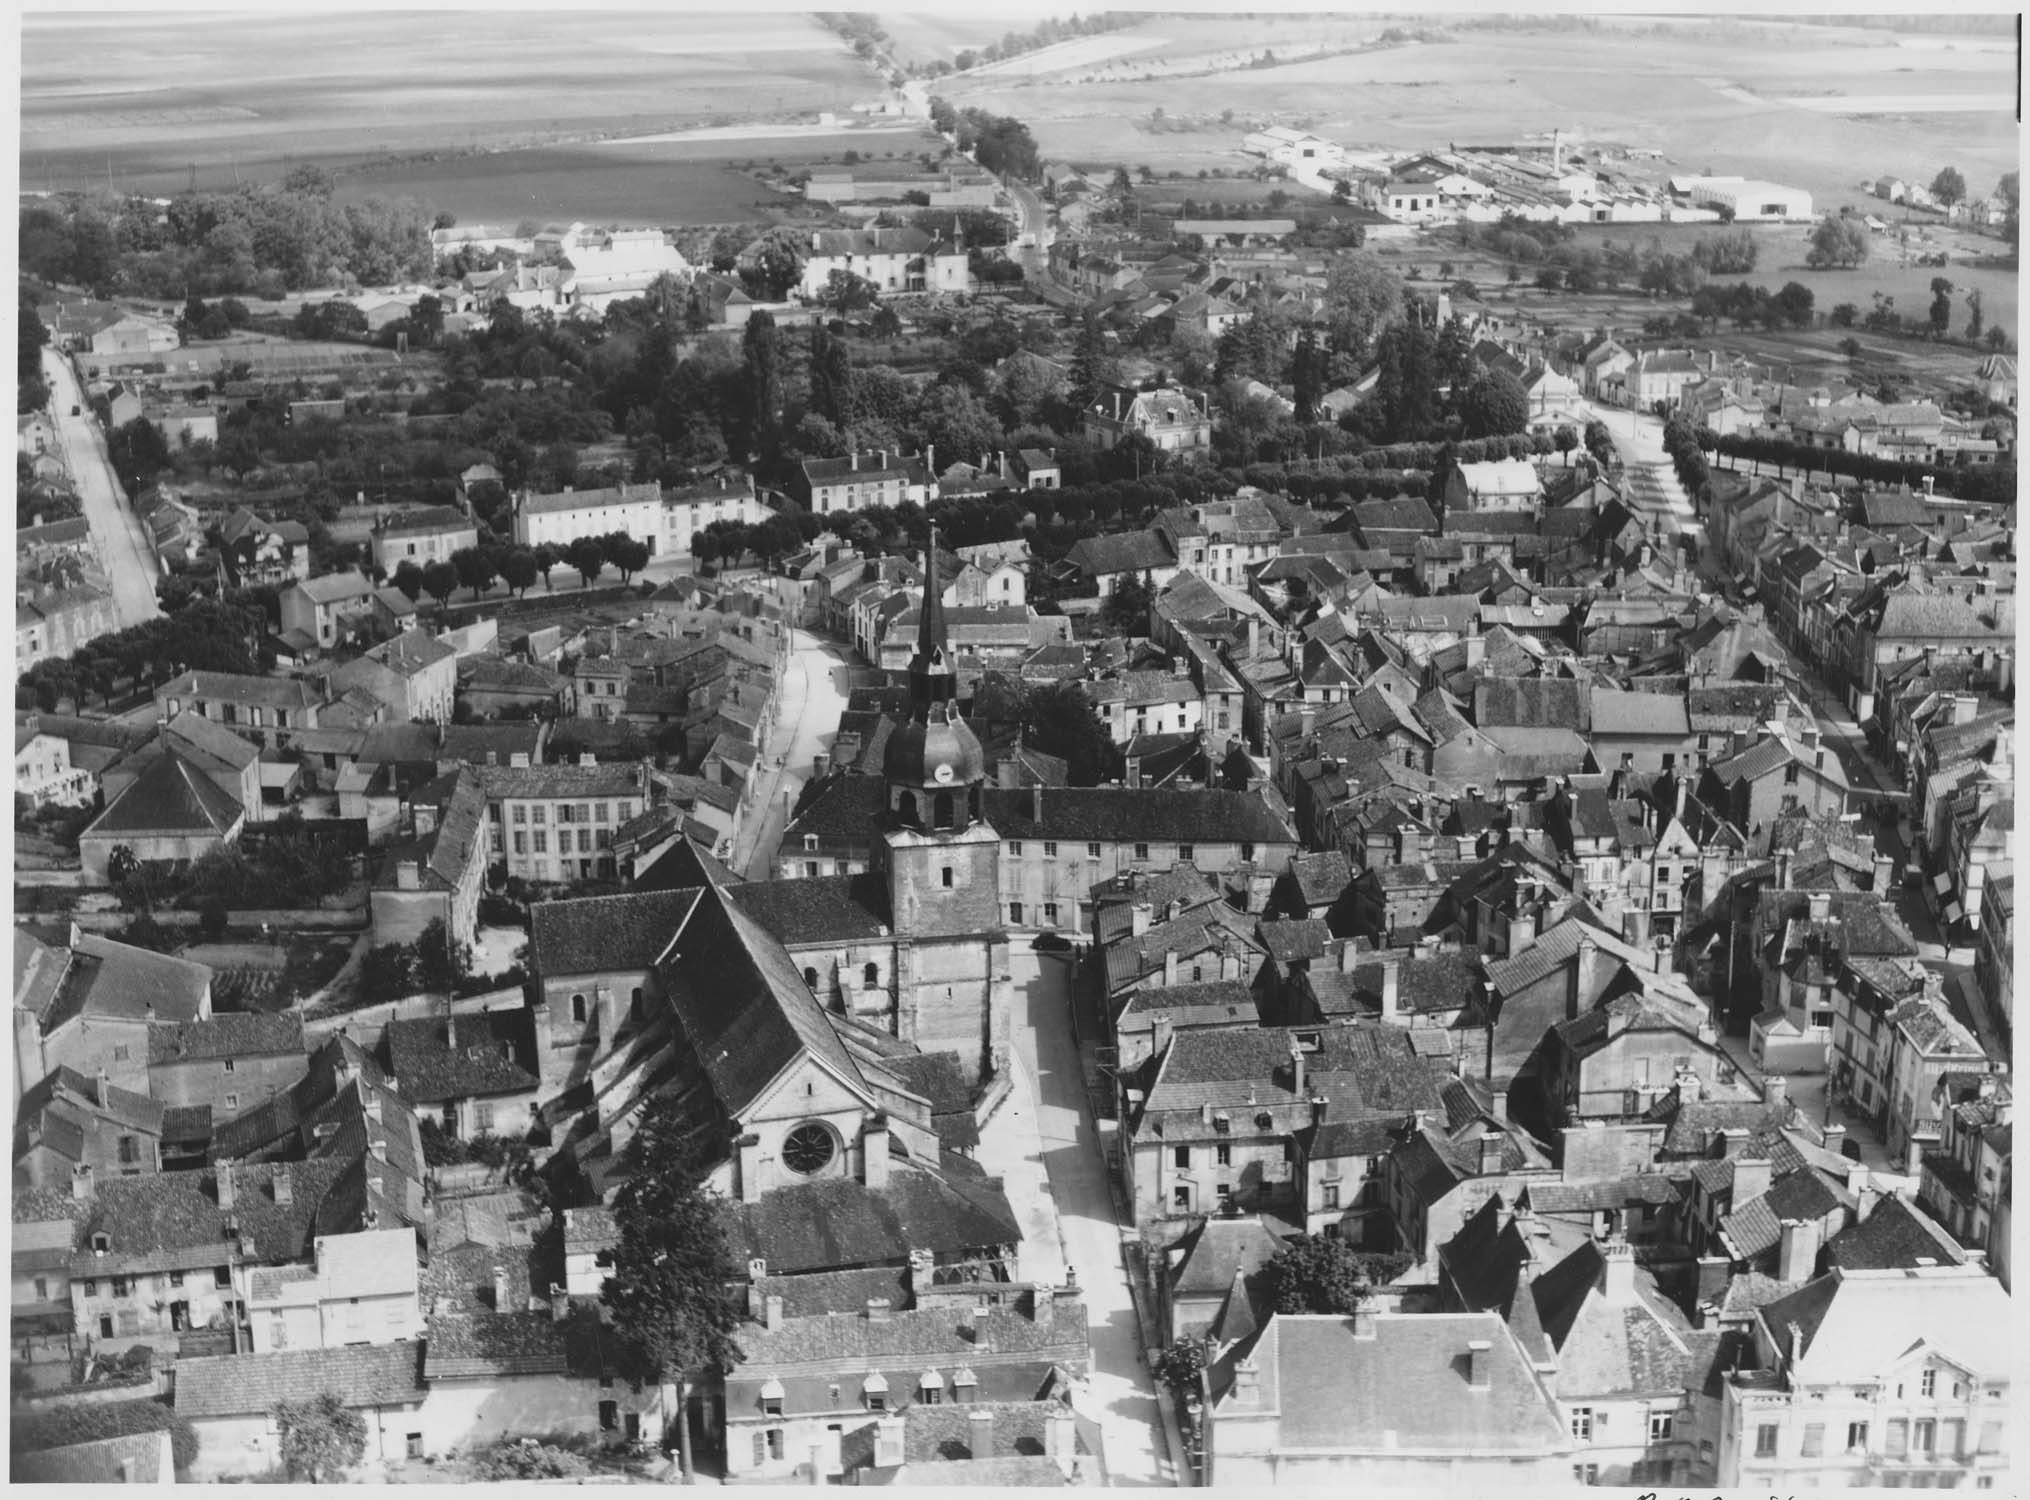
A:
x,y
1120,1394
1650,481
123,548
807,709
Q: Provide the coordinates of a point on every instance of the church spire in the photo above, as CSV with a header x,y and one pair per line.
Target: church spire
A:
x,y
930,673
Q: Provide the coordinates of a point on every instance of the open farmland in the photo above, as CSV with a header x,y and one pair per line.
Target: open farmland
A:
x,y
1711,95
114,95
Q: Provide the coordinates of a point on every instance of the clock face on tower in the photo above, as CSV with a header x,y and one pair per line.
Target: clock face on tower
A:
x,y
943,775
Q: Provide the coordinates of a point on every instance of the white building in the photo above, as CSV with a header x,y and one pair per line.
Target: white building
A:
x,y
689,510
562,519
1745,198
1295,148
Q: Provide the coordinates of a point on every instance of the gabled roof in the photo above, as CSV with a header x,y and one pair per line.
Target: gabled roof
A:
x,y
1852,1325
360,1375
170,797
474,1055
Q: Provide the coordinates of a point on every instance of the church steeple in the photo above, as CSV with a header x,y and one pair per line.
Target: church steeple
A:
x,y
934,765
931,680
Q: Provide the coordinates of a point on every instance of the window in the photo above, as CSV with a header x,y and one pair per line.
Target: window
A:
x,y
811,978
119,1052
1991,1437
542,842
1141,851
771,1406
1923,1434
415,1445
564,813
91,1287
521,842
1661,1425
811,870
482,1118
1814,1440
1049,849
877,1401
1223,1155
807,1149
1180,1199
1015,912
1092,851
1181,1158
1050,913
232,1101
578,1007
1586,1473
1765,1440
1857,1437
1582,1423
42,1289
222,1277
539,814
1896,1437
945,877
1226,1194
1015,847
229,1065
600,809
584,841
1248,852
1186,851
122,1287
1331,1195
1790,774
130,1151
1927,1384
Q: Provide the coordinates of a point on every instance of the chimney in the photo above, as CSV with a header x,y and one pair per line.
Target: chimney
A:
x,y
500,1289
1752,1176
1349,955
82,1186
1036,803
874,1153
1392,977
980,1432
878,1309
451,1030
1170,969
1821,905
560,1302
1296,1067
1139,915
1062,1440
1797,1255
226,1185
1617,1281
1775,1090
1783,869
1588,976
1491,1144
284,1186
408,875
1132,774
772,1313
1159,1040
1247,1386
1479,1365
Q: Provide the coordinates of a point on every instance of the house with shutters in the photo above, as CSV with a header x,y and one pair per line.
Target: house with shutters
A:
x,y
1171,418
1872,1378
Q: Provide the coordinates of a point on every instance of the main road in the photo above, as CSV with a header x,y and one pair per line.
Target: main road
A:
x,y
122,545
808,704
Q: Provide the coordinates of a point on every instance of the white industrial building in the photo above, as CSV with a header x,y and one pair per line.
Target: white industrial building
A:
x,y
1745,198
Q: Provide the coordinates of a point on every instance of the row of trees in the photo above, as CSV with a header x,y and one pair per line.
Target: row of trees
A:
x,y
479,568
263,239
206,635
1000,143
1989,483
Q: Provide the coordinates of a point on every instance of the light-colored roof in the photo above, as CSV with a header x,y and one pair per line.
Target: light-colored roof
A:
x,y
1856,1325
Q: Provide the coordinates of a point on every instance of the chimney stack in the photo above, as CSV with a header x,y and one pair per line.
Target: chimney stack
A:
x,y
1479,1365
1392,974
560,1302
500,1289
1062,1441
225,1187
771,1313
874,1150
1618,1274
1170,969
1775,1090
980,1432
1349,955
1491,1150
1247,1386
1797,1255
1159,1041
1296,1067
878,1309
1036,803
284,1186
82,1186
1138,918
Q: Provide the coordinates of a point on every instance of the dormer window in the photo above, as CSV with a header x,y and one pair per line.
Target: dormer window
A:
x,y
101,1242
874,1390
771,1398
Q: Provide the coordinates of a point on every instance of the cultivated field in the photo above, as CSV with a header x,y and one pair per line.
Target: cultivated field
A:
x,y
144,99
1709,95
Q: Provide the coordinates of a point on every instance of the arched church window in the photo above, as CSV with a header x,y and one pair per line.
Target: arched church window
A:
x,y
870,977
941,810
905,808
578,1007
811,979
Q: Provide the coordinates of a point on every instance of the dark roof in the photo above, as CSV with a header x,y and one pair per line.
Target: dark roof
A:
x,y
495,1053
853,807
1127,552
1895,1236
1533,702
606,933
226,1034
939,1078
743,1003
133,1458
494,1343
361,1375
171,796
837,908
837,1223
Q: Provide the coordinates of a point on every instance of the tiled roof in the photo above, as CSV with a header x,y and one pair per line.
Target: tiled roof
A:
x,y
833,1223
622,779
433,518
170,797
360,1375
1127,552
226,1034
1360,1071
495,1053
464,1345
333,588
602,933
108,978
1896,1235
1849,1327
134,1458
837,908
1219,1250
1533,702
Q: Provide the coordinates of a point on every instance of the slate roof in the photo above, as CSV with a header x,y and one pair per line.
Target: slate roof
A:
x,y
1218,1250
361,1375
1894,1236
601,933
1533,702
134,1458
115,980
834,1223
1757,1226
1127,552
226,1034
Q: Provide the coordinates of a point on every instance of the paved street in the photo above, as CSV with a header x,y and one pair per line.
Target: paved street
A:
x,y
122,546
1651,482
1120,1395
807,709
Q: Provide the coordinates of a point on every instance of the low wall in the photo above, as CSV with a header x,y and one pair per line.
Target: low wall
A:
x,y
346,919
366,1024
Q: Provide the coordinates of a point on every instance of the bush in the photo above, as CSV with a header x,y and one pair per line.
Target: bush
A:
x,y
525,1458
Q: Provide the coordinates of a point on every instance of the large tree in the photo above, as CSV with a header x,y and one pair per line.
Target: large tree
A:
x,y
322,1437
761,354
1839,240
1949,188
1323,1274
1059,719
1362,297
1495,405
672,1267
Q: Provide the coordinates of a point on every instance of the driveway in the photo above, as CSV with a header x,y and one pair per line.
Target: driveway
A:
x,y
1120,1394
808,704
124,550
